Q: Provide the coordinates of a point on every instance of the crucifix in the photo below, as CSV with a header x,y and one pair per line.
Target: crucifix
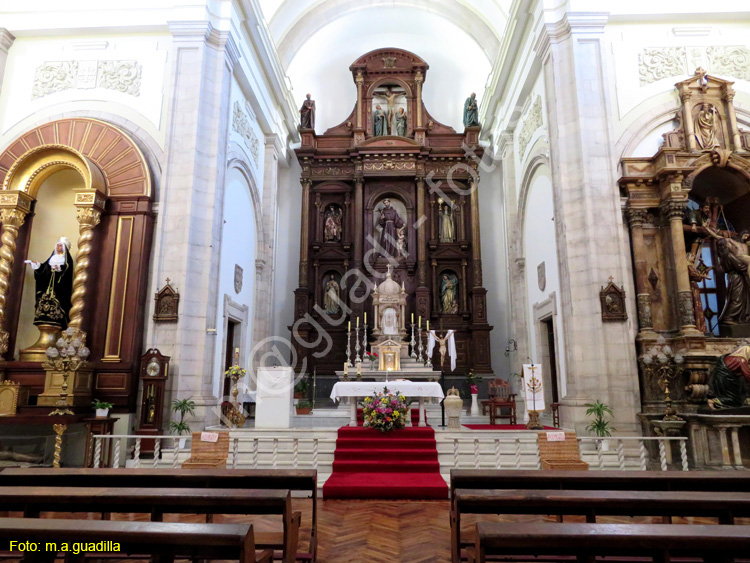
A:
x,y
391,98
533,385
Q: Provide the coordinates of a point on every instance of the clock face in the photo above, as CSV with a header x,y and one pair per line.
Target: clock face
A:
x,y
153,367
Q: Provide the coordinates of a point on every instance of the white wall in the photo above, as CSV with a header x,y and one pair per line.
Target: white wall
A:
x,y
238,246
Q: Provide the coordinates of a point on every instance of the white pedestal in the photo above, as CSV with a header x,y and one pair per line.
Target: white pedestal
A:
x,y
274,397
474,405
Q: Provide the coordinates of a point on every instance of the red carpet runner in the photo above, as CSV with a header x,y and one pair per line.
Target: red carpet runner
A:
x,y
402,464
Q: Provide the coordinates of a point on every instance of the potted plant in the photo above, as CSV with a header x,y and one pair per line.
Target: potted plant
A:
x,y
102,408
599,426
301,387
183,406
304,406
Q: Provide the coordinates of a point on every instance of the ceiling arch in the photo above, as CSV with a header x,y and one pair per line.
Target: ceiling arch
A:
x,y
294,21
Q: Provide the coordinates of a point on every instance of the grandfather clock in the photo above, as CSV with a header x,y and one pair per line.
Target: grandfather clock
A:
x,y
154,373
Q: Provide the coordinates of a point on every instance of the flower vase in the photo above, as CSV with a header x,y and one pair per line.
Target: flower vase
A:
x,y
372,365
474,404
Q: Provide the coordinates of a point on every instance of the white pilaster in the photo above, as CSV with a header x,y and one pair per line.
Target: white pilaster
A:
x,y
6,40
600,357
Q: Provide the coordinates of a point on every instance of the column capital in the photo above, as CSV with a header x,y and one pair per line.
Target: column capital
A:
x,y
90,199
636,217
674,208
12,218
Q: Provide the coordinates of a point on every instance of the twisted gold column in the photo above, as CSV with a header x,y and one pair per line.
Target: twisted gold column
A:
x,y
12,220
88,218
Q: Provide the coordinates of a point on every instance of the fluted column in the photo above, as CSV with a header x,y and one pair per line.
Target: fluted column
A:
x,y
14,206
304,231
476,245
421,235
90,204
636,218
674,210
359,186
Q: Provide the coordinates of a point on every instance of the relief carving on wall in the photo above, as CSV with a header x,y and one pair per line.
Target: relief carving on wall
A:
x,y
56,76
241,125
657,63
532,122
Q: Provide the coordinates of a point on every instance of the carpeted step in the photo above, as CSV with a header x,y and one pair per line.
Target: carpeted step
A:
x,y
423,432
412,486
408,443
390,455
404,466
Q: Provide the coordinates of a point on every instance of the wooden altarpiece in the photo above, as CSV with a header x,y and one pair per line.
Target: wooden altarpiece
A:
x,y
698,181
347,173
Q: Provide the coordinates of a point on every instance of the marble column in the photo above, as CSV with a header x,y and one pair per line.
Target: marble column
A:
x,y
636,218
189,228
6,40
674,210
600,359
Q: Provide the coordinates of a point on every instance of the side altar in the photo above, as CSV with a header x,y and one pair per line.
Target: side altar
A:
x,y
390,201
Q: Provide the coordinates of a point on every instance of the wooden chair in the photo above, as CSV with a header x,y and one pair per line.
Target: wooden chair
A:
x,y
490,390
208,455
560,454
501,398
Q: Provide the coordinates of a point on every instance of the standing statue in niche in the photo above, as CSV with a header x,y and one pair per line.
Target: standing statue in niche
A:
x,y
448,294
379,127
332,232
706,123
401,122
471,111
54,286
447,226
391,222
391,98
734,260
331,298
307,114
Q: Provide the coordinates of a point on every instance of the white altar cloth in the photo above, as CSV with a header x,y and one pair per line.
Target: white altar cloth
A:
x,y
410,389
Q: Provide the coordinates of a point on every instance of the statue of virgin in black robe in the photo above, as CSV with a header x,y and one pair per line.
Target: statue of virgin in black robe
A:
x,y
54,286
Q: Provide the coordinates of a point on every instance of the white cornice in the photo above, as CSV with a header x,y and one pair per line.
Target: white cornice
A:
x,y
6,39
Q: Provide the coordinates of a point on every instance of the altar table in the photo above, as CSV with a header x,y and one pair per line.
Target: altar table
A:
x,y
411,389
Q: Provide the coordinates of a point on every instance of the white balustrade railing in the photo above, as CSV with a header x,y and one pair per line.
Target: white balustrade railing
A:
x,y
454,451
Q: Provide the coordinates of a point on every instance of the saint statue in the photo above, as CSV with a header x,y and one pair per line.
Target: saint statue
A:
x,y
448,294
307,114
728,382
697,272
447,227
390,222
332,232
390,321
401,122
54,286
331,298
705,126
734,260
445,344
471,111
379,127
401,242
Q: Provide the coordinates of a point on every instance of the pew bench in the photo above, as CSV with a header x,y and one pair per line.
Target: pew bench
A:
x,y
162,541
32,501
721,505
305,480
591,542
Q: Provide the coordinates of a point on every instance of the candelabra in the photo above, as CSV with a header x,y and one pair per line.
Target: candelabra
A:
x,y
357,357
349,347
663,365
68,355
413,343
419,346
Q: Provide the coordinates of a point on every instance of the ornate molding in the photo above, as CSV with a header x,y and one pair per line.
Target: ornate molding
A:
x,y
685,308
532,122
644,311
56,76
657,63
242,126
389,165
636,217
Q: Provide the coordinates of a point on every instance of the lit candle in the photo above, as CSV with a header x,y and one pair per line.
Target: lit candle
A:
x,y
359,368
420,322
357,322
428,326
350,326
346,368
412,318
365,317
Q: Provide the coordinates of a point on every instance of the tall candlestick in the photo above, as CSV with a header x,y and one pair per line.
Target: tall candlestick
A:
x,y
412,318
357,358
365,317
419,339
357,322
364,339
413,341
349,328
349,345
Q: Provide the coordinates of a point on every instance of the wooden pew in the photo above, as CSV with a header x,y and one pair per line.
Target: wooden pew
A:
x,y
157,502
305,480
585,542
164,541
724,506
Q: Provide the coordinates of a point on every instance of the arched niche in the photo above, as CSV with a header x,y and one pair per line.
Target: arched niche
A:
x,y
112,202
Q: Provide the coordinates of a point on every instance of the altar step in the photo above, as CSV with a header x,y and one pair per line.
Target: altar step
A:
x,y
402,464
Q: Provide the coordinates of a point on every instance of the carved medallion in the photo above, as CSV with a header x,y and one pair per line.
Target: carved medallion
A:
x,y
541,276
237,278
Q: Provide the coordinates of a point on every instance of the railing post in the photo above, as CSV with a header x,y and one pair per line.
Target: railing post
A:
x,y
116,462
455,452
97,451
295,452
476,453
517,452
157,452
683,455
275,454
662,455
644,455
137,453
315,453
497,453
255,452
620,454
599,443
175,451
235,451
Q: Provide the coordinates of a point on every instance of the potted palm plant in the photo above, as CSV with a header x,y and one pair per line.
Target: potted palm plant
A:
x,y
599,425
184,407
304,406
301,387
102,408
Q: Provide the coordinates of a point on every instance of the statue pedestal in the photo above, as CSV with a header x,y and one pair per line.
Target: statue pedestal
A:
x,y
734,331
273,408
79,388
37,352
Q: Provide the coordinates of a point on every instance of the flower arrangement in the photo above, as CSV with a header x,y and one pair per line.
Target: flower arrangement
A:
x,y
385,411
235,371
474,389
373,357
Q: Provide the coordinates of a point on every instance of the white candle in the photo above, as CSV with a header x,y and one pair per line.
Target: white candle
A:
x,y
365,317
357,322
